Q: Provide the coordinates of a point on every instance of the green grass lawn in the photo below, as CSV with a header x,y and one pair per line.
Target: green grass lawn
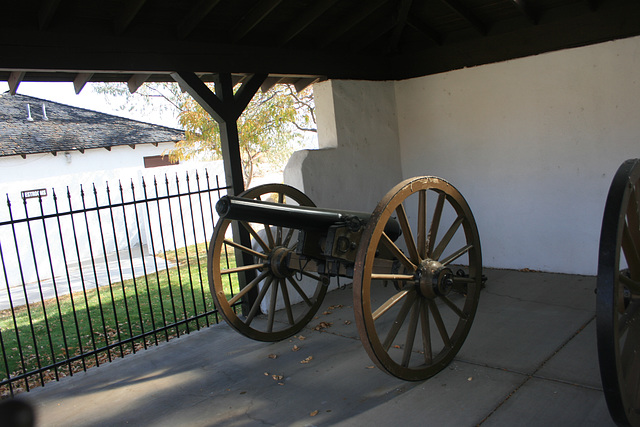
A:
x,y
84,322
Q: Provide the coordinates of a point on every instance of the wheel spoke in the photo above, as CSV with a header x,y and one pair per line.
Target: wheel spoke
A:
x,y
287,301
299,291
245,249
242,268
402,277
435,224
399,321
269,234
632,285
407,234
453,307
440,323
258,301
255,235
287,238
386,241
272,306
247,288
422,223
411,333
457,254
447,238
426,332
388,304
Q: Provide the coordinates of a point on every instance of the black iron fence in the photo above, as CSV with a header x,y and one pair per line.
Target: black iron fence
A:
x,y
94,274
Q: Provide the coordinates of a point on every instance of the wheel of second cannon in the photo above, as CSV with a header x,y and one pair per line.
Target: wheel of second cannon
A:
x,y
253,289
415,299
618,296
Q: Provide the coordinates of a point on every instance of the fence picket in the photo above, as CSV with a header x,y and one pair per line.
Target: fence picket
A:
x,y
107,294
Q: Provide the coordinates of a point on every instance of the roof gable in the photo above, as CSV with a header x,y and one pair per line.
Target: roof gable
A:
x,y
30,125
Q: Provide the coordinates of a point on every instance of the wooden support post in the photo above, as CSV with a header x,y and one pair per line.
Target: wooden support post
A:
x,y
226,108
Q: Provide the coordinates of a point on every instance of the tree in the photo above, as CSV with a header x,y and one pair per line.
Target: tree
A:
x,y
272,126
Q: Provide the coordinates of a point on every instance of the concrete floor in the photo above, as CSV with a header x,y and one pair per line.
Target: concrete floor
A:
x,y
530,360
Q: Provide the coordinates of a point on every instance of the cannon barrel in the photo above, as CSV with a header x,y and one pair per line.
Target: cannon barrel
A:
x,y
292,216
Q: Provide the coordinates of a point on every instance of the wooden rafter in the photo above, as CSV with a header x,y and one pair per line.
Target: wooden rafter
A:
x,y
136,81
527,10
195,16
46,12
14,81
466,15
350,21
418,25
253,18
310,16
80,80
129,12
401,22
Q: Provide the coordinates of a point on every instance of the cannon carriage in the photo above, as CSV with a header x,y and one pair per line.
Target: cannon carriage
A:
x,y
416,268
415,263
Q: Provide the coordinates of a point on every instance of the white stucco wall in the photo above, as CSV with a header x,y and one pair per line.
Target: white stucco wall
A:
x,y
532,144
95,235
358,160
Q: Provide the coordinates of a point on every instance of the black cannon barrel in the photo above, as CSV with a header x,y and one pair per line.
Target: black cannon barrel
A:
x,y
292,216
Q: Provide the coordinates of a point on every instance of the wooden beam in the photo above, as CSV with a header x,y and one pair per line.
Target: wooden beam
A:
x,y
80,80
46,12
195,16
525,7
299,24
129,12
14,81
136,81
302,84
253,18
269,82
201,93
360,14
426,30
246,92
229,135
400,24
466,15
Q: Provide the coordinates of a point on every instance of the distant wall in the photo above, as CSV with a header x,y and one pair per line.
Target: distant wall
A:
x,y
532,143
118,228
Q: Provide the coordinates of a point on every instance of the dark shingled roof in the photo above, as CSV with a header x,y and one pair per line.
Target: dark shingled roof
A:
x,y
69,128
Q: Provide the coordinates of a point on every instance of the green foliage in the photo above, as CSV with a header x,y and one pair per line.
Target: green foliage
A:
x,y
272,126
132,312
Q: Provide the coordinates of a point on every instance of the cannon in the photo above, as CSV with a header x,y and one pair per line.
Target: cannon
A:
x,y
415,263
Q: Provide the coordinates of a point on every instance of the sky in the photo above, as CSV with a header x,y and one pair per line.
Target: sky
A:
x,y
64,93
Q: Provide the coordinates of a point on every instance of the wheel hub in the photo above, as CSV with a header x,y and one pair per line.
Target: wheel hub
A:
x,y
278,262
433,279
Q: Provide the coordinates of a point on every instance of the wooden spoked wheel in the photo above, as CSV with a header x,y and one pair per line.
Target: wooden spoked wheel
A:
x,y
415,299
618,296
253,286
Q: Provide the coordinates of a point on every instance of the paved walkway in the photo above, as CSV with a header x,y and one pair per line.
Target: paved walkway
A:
x,y
530,360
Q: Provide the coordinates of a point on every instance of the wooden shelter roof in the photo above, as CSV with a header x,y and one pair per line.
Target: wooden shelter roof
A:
x,y
296,40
